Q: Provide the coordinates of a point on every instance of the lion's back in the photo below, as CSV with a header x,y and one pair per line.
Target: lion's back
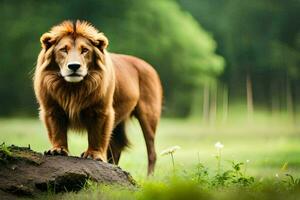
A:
x,y
137,75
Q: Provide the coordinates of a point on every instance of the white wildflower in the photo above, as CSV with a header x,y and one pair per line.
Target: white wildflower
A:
x,y
247,161
170,150
219,145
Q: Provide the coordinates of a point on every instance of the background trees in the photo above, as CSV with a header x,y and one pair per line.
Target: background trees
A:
x,y
260,43
158,31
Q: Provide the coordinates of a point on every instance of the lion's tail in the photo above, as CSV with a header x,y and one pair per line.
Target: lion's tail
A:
x,y
118,143
119,137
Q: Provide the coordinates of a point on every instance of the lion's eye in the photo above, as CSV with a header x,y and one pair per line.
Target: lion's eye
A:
x,y
65,50
84,50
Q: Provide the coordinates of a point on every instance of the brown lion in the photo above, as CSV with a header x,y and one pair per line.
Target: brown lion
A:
x,y
80,85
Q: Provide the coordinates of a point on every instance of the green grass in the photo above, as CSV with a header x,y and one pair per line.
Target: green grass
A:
x,y
267,144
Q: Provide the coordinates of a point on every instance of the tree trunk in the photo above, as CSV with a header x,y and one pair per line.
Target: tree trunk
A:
x,y
289,99
225,104
250,107
275,97
206,103
213,104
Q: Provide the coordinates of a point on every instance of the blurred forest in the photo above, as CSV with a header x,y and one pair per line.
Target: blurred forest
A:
x,y
212,55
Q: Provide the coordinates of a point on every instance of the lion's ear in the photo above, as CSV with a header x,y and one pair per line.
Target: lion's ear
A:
x,y
47,40
101,42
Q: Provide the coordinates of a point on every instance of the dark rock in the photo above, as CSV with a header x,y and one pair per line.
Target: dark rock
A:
x,y
24,172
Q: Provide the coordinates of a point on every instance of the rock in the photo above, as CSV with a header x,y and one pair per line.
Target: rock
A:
x,y
24,172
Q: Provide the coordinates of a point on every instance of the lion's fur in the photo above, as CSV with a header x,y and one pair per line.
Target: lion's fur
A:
x,y
116,87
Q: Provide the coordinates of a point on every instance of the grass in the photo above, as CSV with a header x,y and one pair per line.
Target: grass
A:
x,y
272,148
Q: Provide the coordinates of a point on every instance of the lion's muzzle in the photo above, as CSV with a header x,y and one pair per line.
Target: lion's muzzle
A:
x,y
73,72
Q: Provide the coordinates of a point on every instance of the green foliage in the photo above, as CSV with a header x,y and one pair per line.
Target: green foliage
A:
x,y
183,39
201,174
4,151
158,31
232,177
260,39
292,182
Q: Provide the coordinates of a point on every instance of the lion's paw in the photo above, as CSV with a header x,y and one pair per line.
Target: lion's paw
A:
x,y
57,151
95,155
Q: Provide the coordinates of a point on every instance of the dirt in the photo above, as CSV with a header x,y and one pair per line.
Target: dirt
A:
x,y
26,173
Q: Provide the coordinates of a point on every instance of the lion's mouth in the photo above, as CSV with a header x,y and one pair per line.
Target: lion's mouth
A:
x,y
74,74
73,78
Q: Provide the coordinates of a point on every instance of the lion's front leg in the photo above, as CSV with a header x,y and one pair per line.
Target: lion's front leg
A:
x,y
99,133
56,124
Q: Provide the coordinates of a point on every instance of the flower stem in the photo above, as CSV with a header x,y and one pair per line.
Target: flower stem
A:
x,y
173,162
245,169
219,161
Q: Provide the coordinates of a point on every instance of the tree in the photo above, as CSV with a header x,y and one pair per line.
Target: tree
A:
x,y
258,39
158,31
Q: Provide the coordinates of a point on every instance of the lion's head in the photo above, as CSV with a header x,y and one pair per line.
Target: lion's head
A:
x,y
72,66
70,49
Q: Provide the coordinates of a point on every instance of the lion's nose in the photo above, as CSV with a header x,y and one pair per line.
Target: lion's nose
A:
x,y
73,66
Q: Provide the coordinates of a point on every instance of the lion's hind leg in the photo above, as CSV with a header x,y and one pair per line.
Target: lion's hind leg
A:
x,y
148,116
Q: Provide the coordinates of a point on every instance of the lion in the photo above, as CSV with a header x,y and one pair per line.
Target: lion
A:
x,y
79,85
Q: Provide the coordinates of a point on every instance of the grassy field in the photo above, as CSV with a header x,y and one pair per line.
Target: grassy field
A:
x,y
271,147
